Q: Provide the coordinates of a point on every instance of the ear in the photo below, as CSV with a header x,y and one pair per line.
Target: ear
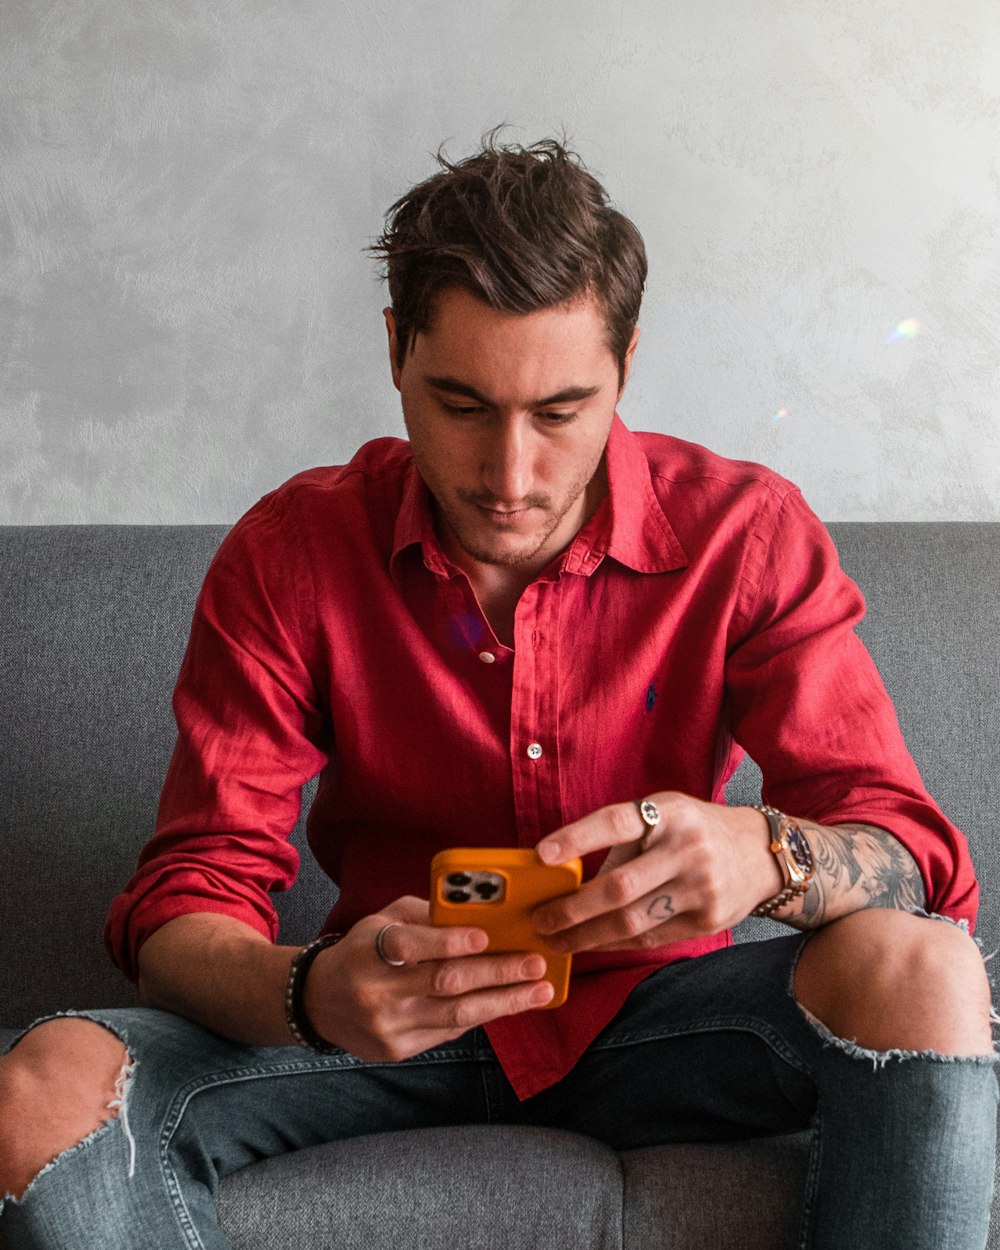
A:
x,y
390,325
629,353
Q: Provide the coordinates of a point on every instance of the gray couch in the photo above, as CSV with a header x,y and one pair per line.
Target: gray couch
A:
x,y
92,625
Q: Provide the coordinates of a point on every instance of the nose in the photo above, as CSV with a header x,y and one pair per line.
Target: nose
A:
x,y
507,462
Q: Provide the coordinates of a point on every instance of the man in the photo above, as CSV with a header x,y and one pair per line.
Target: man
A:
x,y
528,626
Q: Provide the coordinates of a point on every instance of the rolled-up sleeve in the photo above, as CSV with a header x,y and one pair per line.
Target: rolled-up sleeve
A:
x,y
250,734
809,705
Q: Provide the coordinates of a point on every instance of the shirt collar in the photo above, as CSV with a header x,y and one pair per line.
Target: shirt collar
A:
x,y
415,525
630,526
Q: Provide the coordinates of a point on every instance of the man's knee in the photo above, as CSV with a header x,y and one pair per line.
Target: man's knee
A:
x,y
890,980
63,1080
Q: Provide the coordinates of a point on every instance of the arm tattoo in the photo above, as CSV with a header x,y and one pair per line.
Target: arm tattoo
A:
x,y
661,908
857,866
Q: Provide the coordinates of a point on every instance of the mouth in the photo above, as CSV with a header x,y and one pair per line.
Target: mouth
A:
x,y
504,517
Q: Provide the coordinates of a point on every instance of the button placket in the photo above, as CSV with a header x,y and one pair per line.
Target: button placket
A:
x,y
534,744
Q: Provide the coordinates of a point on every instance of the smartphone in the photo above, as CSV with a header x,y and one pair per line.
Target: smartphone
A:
x,y
497,889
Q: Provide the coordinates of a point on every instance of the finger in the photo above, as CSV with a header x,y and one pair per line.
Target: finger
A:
x,y
412,944
615,825
628,884
647,921
454,1016
411,938
686,924
448,997
451,978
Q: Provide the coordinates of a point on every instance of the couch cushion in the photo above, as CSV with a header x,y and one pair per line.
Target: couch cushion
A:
x,y
740,1195
477,1188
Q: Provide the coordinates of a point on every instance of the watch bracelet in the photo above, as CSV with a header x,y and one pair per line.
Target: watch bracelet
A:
x,y
296,1017
769,907
794,888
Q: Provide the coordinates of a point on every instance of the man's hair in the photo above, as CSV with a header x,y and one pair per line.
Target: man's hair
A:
x,y
521,228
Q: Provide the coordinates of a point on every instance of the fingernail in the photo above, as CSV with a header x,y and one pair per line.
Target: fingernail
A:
x,y
549,852
544,924
542,993
533,968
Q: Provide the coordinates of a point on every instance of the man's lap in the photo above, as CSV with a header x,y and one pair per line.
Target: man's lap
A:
x,y
707,1049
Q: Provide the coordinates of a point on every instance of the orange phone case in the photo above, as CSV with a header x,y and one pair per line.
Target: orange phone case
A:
x,y
523,882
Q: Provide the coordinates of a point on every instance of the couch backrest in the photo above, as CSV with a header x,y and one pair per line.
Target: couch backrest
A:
x,y
93,621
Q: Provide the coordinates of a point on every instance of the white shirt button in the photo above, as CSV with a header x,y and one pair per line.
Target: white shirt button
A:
x,y
534,750
487,657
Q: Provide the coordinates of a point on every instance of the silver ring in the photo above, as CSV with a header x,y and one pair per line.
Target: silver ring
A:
x,y
649,812
380,948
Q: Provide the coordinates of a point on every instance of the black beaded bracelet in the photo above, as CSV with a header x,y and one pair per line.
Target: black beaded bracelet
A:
x,y
299,1024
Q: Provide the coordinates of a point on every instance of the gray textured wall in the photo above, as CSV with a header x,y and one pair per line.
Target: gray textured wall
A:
x,y
186,315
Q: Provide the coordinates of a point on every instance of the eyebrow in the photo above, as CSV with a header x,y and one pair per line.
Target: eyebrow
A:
x,y
571,395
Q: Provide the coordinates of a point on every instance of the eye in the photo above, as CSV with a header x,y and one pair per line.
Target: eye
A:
x,y
557,418
461,410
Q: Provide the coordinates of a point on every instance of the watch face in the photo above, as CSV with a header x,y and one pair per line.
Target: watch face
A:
x,y
799,847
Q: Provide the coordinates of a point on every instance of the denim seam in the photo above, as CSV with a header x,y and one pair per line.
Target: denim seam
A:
x,y
485,1082
812,1177
741,1024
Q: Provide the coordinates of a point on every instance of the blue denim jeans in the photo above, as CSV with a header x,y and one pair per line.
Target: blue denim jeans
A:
x,y
709,1049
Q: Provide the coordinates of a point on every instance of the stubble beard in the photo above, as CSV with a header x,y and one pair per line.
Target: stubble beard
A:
x,y
499,553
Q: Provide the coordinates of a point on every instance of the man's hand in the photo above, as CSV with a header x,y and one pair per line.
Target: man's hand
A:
x,y
446,986
229,977
705,867
702,869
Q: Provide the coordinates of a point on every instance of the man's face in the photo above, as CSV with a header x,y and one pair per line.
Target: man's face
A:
x,y
508,416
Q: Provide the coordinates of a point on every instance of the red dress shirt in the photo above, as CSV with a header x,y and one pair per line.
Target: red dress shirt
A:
x,y
700,613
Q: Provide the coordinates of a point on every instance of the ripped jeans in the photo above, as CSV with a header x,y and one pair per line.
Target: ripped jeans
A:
x,y
710,1049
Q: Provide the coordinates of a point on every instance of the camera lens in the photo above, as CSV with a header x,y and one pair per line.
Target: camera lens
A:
x,y
457,896
487,889
459,879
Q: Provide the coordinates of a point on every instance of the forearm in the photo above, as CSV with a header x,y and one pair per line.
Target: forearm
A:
x,y
225,975
857,866
221,973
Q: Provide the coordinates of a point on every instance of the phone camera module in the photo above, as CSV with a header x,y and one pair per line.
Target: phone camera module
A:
x,y
472,886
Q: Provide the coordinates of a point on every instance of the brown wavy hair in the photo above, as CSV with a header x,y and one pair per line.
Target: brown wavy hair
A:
x,y
521,228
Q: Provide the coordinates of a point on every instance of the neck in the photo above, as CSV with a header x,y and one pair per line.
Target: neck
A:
x,y
498,590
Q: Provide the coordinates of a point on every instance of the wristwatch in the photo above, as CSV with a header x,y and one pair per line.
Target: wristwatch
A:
x,y
790,847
